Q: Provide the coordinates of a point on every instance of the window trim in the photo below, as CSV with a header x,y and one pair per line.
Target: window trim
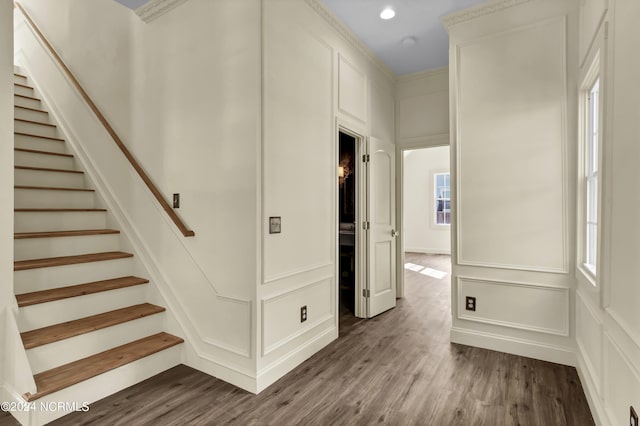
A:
x,y
435,199
591,271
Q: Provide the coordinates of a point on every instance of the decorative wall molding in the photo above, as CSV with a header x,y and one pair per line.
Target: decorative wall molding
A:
x,y
426,141
588,385
269,348
351,38
564,136
156,8
562,292
479,11
344,65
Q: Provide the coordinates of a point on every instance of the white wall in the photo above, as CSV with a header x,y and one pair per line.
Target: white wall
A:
x,y
421,234
7,299
608,329
183,92
513,102
312,77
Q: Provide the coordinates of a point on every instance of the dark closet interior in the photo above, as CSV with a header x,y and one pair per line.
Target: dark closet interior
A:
x,y
347,216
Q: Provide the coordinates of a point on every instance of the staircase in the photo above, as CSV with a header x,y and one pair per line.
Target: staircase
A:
x,y
84,317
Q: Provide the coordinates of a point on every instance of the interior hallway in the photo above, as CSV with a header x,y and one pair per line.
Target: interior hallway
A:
x,y
398,368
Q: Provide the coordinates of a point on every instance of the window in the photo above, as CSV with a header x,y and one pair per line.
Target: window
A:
x,y
442,197
592,137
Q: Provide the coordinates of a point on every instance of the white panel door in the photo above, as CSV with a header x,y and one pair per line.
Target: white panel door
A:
x,y
381,207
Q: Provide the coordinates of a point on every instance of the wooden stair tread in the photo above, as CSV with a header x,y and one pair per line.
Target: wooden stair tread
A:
x,y
38,136
35,210
34,122
54,234
44,296
31,109
17,74
27,97
22,85
37,151
75,372
47,169
53,188
53,333
22,265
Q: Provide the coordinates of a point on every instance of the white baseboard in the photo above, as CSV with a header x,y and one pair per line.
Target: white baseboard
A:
x,y
426,250
235,376
271,373
593,399
510,345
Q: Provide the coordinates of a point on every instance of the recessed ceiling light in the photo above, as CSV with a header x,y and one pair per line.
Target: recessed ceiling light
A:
x,y
409,41
387,13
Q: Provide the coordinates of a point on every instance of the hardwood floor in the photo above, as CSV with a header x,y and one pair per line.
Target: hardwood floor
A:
x,y
397,369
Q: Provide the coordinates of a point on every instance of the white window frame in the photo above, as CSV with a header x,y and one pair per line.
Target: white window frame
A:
x,y
435,199
589,178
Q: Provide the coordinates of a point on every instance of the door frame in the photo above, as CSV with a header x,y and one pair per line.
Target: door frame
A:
x,y
402,146
358,133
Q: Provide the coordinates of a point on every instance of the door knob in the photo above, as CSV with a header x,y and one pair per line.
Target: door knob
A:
x,y
394,233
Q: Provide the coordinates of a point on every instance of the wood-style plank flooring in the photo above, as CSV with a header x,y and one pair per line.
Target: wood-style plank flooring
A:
x,y
396,369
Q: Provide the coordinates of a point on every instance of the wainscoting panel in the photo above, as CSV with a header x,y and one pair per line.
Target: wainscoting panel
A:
x,y
517,305
298,152
281,313
422,115
352,90
621,383
512,177
589,340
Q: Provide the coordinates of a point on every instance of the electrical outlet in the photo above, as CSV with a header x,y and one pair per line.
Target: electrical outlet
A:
x,y
303,313
176,201
633,417
470,304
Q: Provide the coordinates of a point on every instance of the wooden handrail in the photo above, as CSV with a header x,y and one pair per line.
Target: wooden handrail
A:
x,y
154,190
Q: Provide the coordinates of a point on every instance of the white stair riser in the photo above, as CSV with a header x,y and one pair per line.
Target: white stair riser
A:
x,y
35,129
28,114
53,199
38,279
40,248
65,351
33,159
109,383
46,178
25,102
39,144
58,221
46,314
20,79
26,91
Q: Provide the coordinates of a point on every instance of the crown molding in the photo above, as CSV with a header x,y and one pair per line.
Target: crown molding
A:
x,y
419,75
479,11
349,36
156,8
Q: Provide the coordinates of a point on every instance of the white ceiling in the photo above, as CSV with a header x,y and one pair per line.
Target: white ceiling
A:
x,y
133,4
414,18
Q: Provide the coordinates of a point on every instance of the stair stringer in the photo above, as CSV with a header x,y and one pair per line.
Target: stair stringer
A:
x,y
219,330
